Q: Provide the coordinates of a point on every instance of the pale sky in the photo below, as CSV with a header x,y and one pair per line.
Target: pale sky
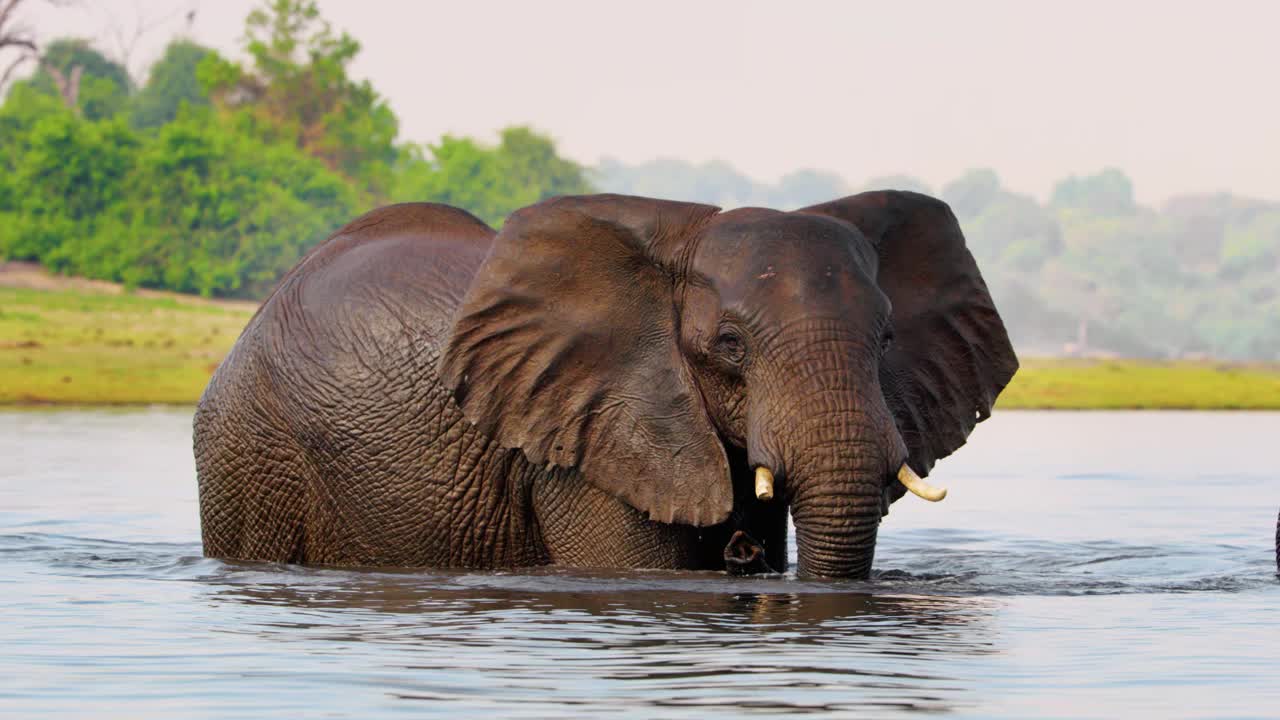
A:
x,y
1184,96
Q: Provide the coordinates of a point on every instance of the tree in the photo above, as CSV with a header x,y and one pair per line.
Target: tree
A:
x,y
298,90
217,212
1252,245
532,169
455,171
1013,230
16,37
715,183
807,187
172,83
66,180
88,81
195,207
969,195
1108,193
489,182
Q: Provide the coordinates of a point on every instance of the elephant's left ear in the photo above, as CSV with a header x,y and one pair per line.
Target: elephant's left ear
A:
x,y
566,347
951,355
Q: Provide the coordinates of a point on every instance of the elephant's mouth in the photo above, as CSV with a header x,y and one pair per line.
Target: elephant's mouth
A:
x,y
765,487
742,475
763,501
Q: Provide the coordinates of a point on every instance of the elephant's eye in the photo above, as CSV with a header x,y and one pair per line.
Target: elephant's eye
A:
x,y
729,345
886,340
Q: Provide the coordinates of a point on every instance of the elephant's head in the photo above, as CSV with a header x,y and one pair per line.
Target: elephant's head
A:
x,y
638,340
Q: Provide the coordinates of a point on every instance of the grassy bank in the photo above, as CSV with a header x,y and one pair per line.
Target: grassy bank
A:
x,y
1062,384
77,347
68,342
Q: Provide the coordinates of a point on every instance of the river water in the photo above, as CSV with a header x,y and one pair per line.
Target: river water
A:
x,y
1084,565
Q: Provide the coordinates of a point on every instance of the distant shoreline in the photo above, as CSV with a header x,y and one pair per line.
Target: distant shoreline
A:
x,y
71,342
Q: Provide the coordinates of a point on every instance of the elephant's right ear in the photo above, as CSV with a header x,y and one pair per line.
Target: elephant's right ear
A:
x,y
952,356
566,347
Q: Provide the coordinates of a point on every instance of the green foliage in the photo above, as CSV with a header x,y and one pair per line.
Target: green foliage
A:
x,y
490,182
1197,279
533,170
1251,243
172,83
455,171
219,177
219,212
298,91
104,84
62,183
1013,230
1109,192
194,208
715,183
971,193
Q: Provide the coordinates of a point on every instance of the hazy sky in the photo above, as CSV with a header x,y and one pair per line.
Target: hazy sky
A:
x,y
1182,95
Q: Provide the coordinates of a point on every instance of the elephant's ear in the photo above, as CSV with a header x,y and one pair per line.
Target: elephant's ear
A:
x,y
951,355
566,347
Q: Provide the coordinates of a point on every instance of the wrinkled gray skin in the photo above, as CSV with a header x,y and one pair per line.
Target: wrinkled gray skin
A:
x,y
595,384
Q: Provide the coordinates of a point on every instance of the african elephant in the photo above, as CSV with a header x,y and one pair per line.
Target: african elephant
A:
x,y
607,381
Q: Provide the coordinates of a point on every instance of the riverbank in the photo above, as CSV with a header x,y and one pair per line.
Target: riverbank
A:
x,y
1068,384
67,341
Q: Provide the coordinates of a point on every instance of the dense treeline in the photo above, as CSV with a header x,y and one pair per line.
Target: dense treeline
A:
x,y
213,176
1089,272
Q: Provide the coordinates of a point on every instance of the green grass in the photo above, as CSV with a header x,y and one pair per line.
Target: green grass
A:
x,y
81,347
75,347
1061,384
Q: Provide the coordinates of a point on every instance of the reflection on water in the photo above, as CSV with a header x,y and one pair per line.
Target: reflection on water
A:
x,y
611,641
1085,565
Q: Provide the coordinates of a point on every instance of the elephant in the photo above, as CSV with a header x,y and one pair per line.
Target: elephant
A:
x,y
606,381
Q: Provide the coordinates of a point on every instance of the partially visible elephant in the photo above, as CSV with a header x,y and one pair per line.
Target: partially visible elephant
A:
x,y
608,381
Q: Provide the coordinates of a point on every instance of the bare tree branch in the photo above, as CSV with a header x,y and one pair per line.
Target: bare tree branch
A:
x,y
127,40
6,10
8,72
19,42
68,85
21,37
11,37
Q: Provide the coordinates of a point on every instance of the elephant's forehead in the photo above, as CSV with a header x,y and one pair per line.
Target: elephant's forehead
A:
x,y
788,264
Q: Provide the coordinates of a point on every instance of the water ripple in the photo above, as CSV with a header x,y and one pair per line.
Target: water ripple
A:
x,y
1021,567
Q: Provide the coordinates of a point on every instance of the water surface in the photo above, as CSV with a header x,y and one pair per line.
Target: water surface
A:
x,y
1084,565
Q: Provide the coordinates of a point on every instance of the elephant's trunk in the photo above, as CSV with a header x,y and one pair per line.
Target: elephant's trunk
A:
x,y
836,522
839,447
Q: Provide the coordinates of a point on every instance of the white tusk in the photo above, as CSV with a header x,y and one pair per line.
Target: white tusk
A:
x,y
917,485
764,483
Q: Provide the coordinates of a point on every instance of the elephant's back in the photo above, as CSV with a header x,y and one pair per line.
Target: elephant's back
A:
x,y
401,267
409,248
376,299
